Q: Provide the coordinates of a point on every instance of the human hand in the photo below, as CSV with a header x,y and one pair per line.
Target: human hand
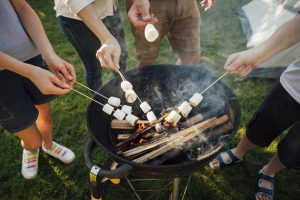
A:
x,y
241,63
139,14
207,4
60,66
48,83
109,54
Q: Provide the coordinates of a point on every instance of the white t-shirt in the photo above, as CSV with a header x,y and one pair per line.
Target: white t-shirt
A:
x,y
290,80
70,8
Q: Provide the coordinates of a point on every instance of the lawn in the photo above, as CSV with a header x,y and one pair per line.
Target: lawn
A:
x,y
220,36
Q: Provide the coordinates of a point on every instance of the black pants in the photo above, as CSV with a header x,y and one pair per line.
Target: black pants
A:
x,y
278,113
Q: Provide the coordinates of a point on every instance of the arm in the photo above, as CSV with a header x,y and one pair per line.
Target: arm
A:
x,y
34,28
47,82
109,53
139,15
286,36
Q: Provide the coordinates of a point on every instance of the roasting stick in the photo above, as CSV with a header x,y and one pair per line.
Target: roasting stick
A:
x,y
91,90
87,97
214,82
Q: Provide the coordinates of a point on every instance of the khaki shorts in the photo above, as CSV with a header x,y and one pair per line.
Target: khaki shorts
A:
x,y
179,20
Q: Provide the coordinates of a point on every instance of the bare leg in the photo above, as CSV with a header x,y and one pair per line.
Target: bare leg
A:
x,y
31,138
44,124
188,59
270,169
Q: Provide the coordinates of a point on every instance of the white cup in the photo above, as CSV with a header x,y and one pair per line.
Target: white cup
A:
x,y
151,33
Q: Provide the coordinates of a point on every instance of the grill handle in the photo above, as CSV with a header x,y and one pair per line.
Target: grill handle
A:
x,y
120,172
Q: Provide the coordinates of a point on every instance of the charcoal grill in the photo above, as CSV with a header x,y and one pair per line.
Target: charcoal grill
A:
x,y
164,87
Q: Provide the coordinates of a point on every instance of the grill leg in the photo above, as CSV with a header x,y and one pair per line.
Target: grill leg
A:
x,y
175,191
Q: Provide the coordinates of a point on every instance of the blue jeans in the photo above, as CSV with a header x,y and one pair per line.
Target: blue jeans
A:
x,y
86,44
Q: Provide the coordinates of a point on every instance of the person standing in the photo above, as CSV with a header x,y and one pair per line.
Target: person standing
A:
x,y
26,84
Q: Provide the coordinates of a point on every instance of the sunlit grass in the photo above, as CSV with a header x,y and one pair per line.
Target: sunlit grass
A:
x,y
221,35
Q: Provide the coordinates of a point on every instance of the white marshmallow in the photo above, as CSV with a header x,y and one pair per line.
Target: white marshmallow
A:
x,y
159,128
173,117
185,108
108,109
151,117
131,119
145,107
151,33
119,115
126,85
114,101
130,96
196,99
126,109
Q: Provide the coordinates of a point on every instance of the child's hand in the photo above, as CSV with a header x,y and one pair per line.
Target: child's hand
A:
x,y
241,63
58,65
207,4
48,83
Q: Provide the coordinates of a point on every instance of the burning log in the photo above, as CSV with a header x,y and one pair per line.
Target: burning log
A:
x,y
123,124
182,137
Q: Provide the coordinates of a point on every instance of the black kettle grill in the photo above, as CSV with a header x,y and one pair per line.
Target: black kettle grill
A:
x,y
163,87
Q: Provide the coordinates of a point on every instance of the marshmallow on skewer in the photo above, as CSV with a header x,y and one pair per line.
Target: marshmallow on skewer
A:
x,y
130,96
131,119
126,109
185,109
159,128
114,101
173,117
126,85
151,117
119,115
145,107
151,33
108,109
196,99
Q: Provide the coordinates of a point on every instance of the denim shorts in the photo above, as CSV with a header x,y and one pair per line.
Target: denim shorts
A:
x,y
18,97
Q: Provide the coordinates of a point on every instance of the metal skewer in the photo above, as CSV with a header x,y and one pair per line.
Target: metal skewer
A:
x,y
214,82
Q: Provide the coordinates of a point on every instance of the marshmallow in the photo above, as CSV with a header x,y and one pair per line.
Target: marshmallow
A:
x,y
126,85
159,128
173,117
196,99
130,96
185,108
145,107
126,109
131,119
151,33
114,101
119,115
108,109
151,117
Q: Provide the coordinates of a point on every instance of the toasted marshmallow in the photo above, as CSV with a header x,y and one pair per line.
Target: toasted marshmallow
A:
x,y
196,99
159,128
185,109
131,119
114,101
151,117
173,117
130,96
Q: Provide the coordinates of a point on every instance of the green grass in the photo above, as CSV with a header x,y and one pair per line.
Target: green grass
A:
x,y
220,36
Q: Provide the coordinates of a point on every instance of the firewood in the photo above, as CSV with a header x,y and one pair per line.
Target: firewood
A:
x,y
121,124
191,121
123,136
182,137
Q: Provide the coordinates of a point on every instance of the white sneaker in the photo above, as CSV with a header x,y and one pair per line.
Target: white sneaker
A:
x,y
30,164
60,152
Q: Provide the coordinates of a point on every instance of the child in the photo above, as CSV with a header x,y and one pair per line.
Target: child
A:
x,y
279,111
25,83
